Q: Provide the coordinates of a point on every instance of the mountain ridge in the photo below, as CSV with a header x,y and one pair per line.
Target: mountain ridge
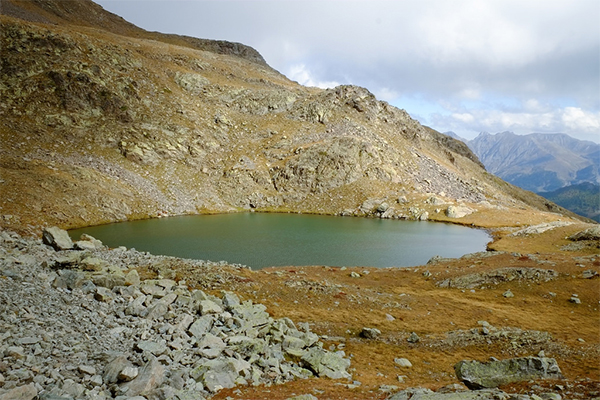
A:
x,y
539,162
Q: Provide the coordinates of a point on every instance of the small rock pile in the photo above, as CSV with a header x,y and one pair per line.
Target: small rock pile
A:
x,y
73,325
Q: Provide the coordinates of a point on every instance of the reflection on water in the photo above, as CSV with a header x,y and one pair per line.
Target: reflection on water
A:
x,y
260,240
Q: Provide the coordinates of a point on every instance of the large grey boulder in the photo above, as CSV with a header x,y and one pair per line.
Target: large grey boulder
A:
x,y
322,363
458,211
57,238
426,394
478,375
150,377
217,374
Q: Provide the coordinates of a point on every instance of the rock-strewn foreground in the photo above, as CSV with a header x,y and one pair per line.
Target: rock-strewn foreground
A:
x,y
82,321
81,324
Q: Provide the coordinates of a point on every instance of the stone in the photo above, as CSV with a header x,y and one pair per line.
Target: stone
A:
x,y
458,211
292,343
128,373
114,368
303,397
57,238
16,352
201,326
209,307
592,233
103,294
323,363
575,300
87,369
92,264
354,274
589,274
477,375
132,278
156,348
216,374
87,242
247,347
426,394
370,333
403,362
230,300
150,377
413,338
550,396
69,279
211,346
27,392
508,294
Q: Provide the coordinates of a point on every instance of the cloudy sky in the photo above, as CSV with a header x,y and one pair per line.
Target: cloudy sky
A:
x,y
465,66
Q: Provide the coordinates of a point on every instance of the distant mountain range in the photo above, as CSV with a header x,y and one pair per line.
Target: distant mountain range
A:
x,y
539,162
557,166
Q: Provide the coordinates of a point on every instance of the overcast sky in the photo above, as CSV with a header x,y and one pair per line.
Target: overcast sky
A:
x,y
465,66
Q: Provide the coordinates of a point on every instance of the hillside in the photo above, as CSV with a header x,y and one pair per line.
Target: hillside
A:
x,y
101,121
538,162
584,199
100,127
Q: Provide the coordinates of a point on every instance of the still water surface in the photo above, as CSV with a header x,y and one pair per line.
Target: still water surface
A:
x,y
261,240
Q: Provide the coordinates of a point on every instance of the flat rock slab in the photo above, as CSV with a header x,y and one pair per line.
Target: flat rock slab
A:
x,y
426,394
477,375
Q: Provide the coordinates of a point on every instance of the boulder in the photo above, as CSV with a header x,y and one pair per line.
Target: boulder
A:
x,y
217,374
27,392
150,377
57,238
370,333
592,233
322,363
403,362
458,211
477,375
426,394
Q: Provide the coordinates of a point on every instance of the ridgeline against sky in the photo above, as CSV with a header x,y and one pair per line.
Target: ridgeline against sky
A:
x,y
466,66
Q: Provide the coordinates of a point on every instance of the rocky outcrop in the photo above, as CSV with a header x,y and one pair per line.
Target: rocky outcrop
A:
x,y
592,233
427,394
478,375
498,276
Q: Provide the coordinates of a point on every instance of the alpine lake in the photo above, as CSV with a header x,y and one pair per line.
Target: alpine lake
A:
x,y
261,240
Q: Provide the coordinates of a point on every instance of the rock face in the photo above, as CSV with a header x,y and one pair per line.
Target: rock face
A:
x,y
81,333
478,375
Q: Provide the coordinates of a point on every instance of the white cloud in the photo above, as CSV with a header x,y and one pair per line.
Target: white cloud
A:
x,y
571,120
301,74
576,119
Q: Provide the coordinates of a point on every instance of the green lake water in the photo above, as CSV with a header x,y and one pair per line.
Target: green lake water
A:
x,y
260,240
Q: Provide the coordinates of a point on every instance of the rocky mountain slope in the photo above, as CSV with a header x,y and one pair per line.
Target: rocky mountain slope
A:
x,y
538,162
102,121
